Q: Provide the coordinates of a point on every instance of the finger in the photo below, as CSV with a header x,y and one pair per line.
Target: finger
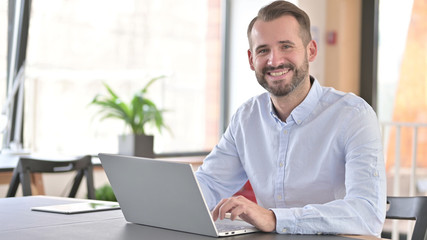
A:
x,y
234,205
224,209
215,212
227,206
237,212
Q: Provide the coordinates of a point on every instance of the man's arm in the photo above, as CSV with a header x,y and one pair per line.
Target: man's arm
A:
x,y
221,174
362,211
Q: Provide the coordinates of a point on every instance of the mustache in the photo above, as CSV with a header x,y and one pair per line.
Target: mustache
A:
x,y
282,66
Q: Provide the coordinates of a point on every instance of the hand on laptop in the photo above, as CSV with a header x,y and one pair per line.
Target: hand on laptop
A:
x,y
239,206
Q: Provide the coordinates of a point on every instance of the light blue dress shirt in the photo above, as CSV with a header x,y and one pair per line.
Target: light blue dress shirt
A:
x,y
321,171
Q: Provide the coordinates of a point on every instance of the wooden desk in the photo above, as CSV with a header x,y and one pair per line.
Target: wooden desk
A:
x,y
17,221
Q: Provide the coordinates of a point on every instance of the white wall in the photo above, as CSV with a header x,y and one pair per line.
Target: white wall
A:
x,y
316,10
243,83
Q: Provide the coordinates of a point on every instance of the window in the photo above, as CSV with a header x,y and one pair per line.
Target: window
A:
x,y
402,74
391,53
74,46
3,63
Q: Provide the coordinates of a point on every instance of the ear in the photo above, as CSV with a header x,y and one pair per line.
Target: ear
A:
x,y
311,50
250,58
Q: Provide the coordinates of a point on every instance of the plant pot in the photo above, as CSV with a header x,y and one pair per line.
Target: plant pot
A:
x,y
136,145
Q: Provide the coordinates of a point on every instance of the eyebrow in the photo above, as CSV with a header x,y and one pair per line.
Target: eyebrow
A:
x,y
260,46
287,41
280,42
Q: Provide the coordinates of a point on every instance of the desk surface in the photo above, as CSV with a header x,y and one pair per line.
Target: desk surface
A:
x,y
17,221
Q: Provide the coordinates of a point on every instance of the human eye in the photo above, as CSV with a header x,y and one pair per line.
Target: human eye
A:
x,y
286,46
262,51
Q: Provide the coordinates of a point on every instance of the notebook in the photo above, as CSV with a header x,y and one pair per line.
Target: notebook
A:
x,y
83,207
164,194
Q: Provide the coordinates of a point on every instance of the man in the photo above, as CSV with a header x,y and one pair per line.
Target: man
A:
x,y
312,154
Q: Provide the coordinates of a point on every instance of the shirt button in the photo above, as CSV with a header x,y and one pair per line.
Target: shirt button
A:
x,y
284,230
279,197
376,174
285,131
281,164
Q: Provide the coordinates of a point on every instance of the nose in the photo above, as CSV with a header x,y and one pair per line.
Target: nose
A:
x,y
275,58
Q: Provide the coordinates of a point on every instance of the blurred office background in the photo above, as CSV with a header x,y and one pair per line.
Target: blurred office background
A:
x,y
200,46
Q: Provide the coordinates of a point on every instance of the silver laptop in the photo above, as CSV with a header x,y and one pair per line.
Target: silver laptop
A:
x,y
164,194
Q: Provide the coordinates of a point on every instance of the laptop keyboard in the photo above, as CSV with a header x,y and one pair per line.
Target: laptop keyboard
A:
x,y
226,227
221,227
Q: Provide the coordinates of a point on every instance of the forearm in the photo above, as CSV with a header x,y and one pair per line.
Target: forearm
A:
x,y
349,216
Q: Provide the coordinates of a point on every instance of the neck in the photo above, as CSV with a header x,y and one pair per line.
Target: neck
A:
x,y
284,105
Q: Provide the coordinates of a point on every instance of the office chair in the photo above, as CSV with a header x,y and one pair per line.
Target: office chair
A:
x,y
28,164
410,208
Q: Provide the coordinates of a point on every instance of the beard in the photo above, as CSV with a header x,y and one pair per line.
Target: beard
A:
x,y
278,90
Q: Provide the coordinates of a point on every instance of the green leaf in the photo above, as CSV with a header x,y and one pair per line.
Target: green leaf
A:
x,y
144,90
138,112
105,193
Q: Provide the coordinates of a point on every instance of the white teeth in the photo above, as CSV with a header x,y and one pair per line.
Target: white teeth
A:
x,y
275,74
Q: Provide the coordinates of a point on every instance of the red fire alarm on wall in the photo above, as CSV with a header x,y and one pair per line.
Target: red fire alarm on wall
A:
x,y
331,37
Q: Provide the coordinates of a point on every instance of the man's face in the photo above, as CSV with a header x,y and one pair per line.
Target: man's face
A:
x,y
278,55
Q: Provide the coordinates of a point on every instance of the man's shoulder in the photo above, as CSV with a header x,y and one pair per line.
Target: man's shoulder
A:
x,y
255,102
253,109
333,97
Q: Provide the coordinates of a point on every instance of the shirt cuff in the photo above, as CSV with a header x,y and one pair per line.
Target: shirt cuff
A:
x,y
285,220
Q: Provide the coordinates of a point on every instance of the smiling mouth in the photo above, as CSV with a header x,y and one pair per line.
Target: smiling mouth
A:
x,y
277,74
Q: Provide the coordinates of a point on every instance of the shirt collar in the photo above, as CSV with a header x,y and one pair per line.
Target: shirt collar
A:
x,y
302,111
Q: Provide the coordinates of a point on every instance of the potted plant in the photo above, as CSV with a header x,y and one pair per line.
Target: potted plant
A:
x,y
135,115
105,193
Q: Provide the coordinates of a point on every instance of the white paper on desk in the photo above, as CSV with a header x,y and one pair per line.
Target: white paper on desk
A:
x,y
72,208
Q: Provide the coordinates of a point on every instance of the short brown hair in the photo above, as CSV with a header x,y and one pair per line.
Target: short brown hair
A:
x,y
281,8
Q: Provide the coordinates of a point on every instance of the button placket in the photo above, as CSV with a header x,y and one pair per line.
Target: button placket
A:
x,y
281,163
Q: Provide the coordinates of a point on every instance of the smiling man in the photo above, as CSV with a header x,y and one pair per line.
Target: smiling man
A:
x,y
312,154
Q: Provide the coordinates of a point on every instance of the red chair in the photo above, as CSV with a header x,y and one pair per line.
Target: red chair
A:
x,y
247,192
